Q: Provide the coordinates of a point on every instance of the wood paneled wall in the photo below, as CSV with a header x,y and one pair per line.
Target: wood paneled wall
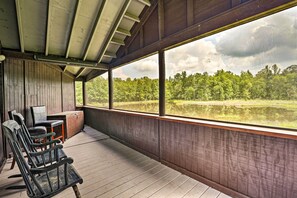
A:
x,y
237,163
30,83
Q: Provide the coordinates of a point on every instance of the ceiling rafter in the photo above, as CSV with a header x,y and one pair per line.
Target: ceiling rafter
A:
x,y
113,30
79,73
117,41
145,2
110,54
123,32
20,27
48,26
77,7
96,24
131,17
137,27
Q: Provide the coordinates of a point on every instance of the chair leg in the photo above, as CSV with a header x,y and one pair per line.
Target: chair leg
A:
x,y
12,163
63,133
76,191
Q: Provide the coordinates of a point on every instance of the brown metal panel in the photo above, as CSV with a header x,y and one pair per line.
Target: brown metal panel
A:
x,y
204,9
175,16
151,29
135,45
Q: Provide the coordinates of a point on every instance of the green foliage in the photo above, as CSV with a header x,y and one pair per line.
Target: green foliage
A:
x,y
78,92
270,83
97,91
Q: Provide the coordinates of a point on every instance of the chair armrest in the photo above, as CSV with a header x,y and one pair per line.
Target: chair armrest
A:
x,y
55,142
56,147
43,135
39,170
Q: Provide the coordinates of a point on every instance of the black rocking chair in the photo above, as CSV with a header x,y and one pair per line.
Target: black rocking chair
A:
x,y
45,181
30,146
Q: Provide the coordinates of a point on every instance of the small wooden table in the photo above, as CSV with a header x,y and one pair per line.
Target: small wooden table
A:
x,y
73,121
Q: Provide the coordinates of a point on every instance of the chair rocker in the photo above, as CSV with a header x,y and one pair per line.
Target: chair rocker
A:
x,y
45,181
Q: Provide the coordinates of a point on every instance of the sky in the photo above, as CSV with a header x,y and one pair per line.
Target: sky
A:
x,y
252,46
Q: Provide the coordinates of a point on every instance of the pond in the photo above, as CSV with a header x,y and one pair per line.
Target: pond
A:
x,y
267,113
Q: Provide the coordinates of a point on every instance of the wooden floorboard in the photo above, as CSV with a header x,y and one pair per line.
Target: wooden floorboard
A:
x,y
111,169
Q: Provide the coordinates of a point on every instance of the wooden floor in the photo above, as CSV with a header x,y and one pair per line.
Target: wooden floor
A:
x,y
110,169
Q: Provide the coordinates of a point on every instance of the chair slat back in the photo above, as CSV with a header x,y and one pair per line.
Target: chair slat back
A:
x,y
38,113
11,128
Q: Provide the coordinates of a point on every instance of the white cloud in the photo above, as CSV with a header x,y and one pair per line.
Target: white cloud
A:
x,y
271,40
200,56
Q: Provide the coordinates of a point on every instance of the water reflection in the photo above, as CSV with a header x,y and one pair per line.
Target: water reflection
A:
x,y
267,116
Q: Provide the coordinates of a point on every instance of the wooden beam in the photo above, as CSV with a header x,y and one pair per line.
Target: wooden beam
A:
x,y
94,74
123,32
226,20
137,27
145,2
20,27
113,30
110,89
48,26
132,17
56,67
162,77
117,41
110,54
79,73
73,62
161,19
77,6
65,68
94,29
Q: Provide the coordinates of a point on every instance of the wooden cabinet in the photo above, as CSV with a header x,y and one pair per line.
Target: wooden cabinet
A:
x,y
73,121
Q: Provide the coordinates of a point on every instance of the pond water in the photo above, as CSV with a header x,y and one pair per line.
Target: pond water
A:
x,y
259,115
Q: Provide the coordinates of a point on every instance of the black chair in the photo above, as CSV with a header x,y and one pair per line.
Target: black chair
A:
x,y
31,147
45,181
38,130
39,115
34,131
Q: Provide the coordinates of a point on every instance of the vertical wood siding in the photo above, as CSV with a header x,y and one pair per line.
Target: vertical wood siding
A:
x,y
30,83
244,164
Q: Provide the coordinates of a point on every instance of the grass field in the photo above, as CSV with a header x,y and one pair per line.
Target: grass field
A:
x,y
277,113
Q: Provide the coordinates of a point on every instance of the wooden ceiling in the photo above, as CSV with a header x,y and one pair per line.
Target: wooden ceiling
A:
x,y
85,38
77,35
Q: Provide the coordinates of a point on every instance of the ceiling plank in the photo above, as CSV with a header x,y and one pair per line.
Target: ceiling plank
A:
x,y
48,26
145,2
70,38
123,32
79,73
113,30
132,17
20,27
117,41
96,24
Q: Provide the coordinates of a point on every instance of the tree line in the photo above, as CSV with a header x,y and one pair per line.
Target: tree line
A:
x,y
270,83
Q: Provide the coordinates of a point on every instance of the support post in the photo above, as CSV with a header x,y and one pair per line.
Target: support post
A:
x,y
110,89
84,92
161,83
